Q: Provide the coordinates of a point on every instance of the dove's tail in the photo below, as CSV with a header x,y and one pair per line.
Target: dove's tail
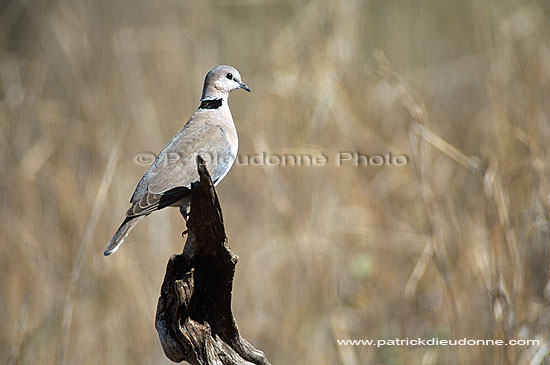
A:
x,y
121,234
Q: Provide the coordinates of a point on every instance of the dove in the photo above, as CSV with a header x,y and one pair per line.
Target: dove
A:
x,y
210,133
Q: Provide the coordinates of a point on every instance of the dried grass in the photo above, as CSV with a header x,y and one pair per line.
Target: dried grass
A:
x,y
452,245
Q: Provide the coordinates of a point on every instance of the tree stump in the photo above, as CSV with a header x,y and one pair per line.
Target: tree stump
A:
x,y
194,319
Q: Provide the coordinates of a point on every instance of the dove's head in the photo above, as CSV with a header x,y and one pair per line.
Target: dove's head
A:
x,y
220,81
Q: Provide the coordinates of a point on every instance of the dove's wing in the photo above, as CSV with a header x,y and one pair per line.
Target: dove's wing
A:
x,y
170,177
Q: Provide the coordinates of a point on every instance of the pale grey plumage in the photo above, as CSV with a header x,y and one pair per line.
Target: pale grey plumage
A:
x,y
210,132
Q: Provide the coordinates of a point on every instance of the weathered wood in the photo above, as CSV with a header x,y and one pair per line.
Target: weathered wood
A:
x,y
194,318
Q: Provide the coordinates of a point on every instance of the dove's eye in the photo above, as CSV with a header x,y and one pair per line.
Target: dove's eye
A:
x,y
229,76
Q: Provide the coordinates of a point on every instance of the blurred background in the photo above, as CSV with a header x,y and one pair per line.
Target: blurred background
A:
x,y
452,245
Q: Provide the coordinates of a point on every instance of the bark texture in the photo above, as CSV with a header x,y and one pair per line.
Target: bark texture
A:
x,y
194,318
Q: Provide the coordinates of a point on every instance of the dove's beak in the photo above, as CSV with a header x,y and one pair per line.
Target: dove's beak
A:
x,y
242,85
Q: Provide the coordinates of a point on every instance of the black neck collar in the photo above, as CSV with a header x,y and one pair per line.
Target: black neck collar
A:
x,y
211,103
